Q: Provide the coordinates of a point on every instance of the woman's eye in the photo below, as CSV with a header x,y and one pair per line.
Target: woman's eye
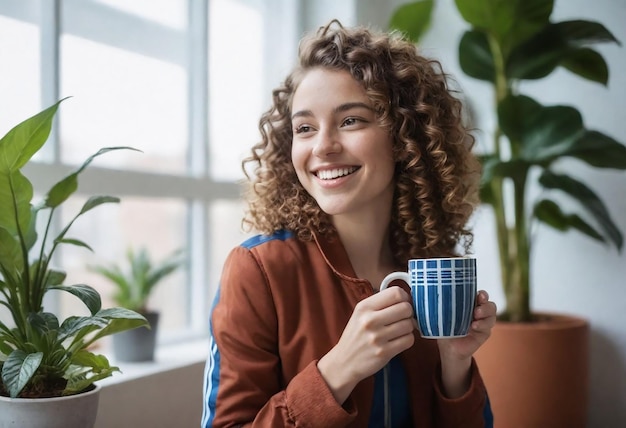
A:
x,y
350,121
302,129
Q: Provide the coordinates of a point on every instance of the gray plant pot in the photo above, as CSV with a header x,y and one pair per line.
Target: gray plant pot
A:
x,y
72,411
137,345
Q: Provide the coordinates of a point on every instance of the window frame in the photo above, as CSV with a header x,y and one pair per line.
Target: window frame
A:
x,y
195,187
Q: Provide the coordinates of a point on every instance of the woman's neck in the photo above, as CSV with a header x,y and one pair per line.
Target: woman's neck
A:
x,y
366,241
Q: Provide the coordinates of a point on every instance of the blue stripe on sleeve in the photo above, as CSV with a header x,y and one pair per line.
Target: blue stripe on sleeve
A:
x,y
211,376
212,367
281,235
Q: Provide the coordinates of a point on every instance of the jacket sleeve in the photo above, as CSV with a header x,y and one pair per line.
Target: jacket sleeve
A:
x,y
471,410
244,385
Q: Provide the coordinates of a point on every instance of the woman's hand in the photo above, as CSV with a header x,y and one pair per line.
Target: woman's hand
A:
x,y
456,354
380,327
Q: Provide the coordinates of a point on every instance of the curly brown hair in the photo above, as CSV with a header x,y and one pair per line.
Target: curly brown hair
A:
x,y
436,174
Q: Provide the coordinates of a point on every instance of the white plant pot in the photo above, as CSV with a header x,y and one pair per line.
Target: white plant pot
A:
x,y
72,411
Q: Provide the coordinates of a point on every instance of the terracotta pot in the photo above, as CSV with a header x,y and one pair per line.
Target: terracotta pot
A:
x,y
537,374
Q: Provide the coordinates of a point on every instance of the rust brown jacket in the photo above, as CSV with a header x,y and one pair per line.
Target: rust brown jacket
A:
x,y
281,305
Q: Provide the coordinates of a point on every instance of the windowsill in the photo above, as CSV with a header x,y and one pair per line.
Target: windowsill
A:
x,y
167,357
166,392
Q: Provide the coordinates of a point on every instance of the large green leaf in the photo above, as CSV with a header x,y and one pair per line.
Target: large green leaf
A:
x,y
16,194
120,319
550,133
588,200
515,169
10,252
75,242
95,201
72,325
509,21
547,133
30,235
515,117
588,64
55,277
537,57
550,213
487,194
87,294
85,358
25,139
62,190
475,56
43,322
580,32
530,16
44,329
18,369
494,16
599,150
554,44
86,369
122,314
413,19
16,191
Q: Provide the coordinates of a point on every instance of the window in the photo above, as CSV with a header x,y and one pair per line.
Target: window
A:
x,y
24,63
185,82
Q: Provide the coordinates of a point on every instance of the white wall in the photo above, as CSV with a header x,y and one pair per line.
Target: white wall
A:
x,y
571,273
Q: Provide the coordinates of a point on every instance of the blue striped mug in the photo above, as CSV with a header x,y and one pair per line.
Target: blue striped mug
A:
x,y
443,292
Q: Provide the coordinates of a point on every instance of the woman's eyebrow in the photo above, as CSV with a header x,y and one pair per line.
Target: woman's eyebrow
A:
x,y
339,109
350,106
302,113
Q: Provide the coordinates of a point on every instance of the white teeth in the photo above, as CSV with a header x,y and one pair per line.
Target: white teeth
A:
x,y
330,174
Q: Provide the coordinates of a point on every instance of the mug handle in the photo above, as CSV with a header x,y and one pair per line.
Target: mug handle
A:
x,y
404,276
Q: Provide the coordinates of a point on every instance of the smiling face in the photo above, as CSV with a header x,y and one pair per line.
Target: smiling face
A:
x,y
341,154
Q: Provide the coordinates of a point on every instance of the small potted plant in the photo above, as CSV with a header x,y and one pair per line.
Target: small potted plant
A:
x,y
134,286
46,363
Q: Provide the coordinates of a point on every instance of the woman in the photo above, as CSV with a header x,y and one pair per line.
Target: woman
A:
x,y
364,163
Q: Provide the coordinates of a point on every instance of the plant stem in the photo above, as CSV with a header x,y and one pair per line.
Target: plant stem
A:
x,y
42,269
507,241
519,295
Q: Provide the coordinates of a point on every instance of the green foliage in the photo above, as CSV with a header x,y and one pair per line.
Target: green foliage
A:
x,y
136,283
413,18
510,41
37,351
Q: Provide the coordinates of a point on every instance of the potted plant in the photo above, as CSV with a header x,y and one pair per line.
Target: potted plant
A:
x,y
134,286
46,362
508,43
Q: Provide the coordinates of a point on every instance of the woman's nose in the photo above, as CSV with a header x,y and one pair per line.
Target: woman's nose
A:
x,y
327,143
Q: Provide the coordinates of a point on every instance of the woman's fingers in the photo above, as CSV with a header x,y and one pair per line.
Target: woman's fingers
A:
x,y
484,313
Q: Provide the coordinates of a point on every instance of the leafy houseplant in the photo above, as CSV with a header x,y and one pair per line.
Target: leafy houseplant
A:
x,y
40,355
134,286
511,41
